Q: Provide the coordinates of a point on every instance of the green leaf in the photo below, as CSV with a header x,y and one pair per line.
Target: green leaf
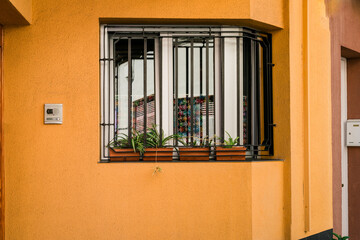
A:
x,y
339,237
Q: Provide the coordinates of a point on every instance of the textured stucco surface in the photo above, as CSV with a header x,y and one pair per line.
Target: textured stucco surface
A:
x,y
55,189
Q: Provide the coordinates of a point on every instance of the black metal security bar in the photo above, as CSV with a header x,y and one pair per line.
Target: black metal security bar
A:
x,y
238,84
257,131
129,91
145,88
207,90
222,91
176,81
192,90
160,86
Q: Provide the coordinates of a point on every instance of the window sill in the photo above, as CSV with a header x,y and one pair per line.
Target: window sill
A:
x,y
202,161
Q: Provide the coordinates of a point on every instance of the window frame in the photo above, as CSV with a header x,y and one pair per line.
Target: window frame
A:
x,y
164,69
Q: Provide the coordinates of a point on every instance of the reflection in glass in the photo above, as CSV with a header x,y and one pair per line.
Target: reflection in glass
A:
x,y
182,124
122,93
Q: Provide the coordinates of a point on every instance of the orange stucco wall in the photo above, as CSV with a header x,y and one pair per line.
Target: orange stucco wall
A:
x,y
24,7
310,118
15,12
55,189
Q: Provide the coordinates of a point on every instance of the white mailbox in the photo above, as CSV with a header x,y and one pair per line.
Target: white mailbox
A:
x,y
53,114
353,132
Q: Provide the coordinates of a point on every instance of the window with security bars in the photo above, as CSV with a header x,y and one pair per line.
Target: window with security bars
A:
x,y
198,82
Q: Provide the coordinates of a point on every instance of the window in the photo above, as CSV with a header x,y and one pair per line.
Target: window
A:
x,y
199,82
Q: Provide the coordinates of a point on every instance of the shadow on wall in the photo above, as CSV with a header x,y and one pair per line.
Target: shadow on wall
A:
x,y
333,6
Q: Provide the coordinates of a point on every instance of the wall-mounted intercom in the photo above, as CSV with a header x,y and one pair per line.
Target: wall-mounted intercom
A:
x,y
353,132
53,114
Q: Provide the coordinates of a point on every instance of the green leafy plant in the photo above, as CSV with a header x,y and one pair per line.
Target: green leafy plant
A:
x,y
339,237
230,142
157,139
197,142
122,141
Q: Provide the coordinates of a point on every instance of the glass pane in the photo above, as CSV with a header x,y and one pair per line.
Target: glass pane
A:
x,y
150,116
121,86
122,93
137,57
199,94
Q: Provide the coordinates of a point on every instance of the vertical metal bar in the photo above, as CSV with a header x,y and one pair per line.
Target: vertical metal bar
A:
x,y
115,80
238,88
145,88
187,95
109,92
270,97
254,130
267,123
214,84
207,90
222,117
241,90
103,96
252,89
192,88
156,69
129,89
114,99
201,94
247,87
257,89
160,86
134,125
176,78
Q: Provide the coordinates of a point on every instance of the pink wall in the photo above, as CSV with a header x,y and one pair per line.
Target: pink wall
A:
x,y
344,25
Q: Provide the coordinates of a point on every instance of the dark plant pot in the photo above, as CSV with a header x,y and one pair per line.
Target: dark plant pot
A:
x,y
194,153
158,154
123,154
230,154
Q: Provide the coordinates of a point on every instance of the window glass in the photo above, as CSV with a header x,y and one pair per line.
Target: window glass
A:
x,y
195,69
199,83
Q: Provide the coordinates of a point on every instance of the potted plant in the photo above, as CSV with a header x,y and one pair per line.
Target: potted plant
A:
x,y
156,145
123,149
229,150
199,150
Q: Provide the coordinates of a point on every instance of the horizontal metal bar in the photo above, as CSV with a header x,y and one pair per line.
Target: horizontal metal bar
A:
x,y
207,150
182,28
203,161
126,35
106,59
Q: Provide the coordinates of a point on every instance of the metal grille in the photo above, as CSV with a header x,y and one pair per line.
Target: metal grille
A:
x,y
185,76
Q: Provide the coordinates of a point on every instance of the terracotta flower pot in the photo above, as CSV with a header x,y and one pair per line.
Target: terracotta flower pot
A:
x,y
123,154
158,154
228,154
194,153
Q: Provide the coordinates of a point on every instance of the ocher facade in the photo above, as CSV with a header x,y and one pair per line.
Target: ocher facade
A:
x,y
54,187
